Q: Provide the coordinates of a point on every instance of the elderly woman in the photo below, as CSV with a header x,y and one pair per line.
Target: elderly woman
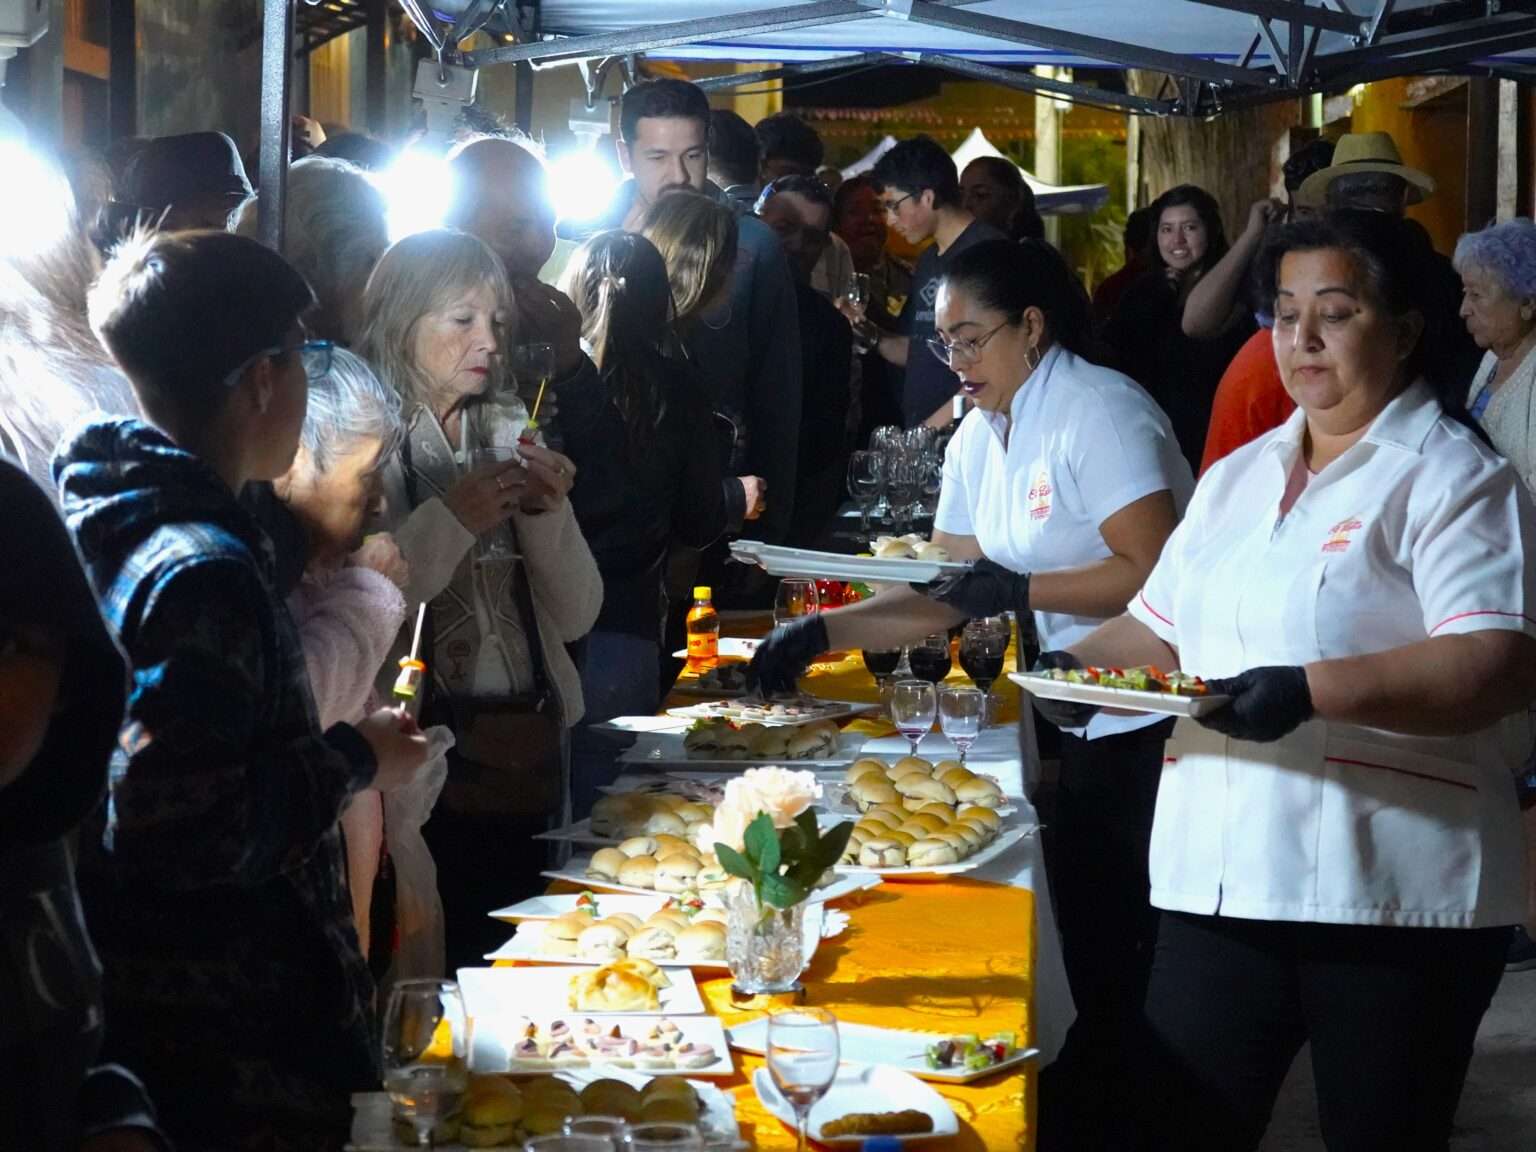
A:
x,y
336,232
1498,276
1336,849
496,549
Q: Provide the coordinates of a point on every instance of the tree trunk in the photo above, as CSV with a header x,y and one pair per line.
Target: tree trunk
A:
x,y
1236,157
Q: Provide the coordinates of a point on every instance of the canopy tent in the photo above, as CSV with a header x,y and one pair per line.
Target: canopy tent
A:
x,y
1050,199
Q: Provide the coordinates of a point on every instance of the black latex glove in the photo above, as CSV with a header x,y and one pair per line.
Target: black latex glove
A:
x,y
785,654
1266,703
986,589
1062,713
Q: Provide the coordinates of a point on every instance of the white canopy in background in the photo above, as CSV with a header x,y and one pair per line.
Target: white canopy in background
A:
x,y
867,161
1050,199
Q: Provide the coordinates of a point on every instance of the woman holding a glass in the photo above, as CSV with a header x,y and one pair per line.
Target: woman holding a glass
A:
x,y
1062,484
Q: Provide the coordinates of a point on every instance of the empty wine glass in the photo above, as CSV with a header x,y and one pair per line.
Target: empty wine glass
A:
x,y
856,292
802,1059
661,1137
902,484
611,1131
866,482
886,440
794,599
425,1048
961,711
913,707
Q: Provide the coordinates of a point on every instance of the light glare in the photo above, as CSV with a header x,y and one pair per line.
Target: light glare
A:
x,y
581,185
417,188
36,205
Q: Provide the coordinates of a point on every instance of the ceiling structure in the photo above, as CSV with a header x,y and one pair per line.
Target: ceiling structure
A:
x,y
1221,53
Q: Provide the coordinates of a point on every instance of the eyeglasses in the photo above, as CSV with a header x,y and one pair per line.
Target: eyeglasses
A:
x,y
317,359
965,351
891,206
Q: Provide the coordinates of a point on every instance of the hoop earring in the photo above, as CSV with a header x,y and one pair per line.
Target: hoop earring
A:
x,y
1039,356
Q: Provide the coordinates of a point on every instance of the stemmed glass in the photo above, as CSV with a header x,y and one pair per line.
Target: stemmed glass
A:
x,y
913,706
961,711
902,483
930,480
866,483
607,1132
794,599
497,543
886,440
984,650
802,1059
425,1048
663,1137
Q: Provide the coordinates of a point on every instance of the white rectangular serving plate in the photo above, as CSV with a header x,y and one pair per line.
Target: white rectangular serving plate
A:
x,y
575,872
550,907
1005,840
542,992
730,648
581,831
818,710
803,562
863,1088
372,1130
494,1037
667,750
887,1047
1162,703
524,947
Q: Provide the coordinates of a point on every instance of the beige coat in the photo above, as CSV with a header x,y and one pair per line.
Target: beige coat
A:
x,y
1510,419
563,579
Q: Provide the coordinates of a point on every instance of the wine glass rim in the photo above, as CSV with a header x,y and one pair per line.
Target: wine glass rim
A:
x,y
959,690
802,1016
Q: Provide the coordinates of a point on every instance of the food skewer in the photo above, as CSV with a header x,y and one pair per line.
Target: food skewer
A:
x,y
412,669
532,426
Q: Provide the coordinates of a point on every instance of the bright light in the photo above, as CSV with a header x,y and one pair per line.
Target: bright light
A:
x,y
417,188
581,185
36,205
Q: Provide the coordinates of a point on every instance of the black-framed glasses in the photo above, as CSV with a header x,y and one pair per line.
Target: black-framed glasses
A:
x,y
965,351
317,359
891,206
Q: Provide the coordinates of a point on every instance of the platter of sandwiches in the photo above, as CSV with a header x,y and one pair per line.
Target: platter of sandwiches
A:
x,y
902,566
717,742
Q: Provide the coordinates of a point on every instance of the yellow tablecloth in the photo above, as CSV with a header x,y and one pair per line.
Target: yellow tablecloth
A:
x,y
954,957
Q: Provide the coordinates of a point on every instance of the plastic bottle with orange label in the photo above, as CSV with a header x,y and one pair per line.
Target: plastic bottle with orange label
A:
x,y
703,632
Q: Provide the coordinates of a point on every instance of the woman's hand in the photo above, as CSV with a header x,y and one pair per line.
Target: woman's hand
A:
x,y
484,497
399,747
381,554
547,479
988,589
1266,704
756,489
1062,713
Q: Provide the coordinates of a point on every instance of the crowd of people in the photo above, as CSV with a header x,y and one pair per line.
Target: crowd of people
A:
x,y
235,475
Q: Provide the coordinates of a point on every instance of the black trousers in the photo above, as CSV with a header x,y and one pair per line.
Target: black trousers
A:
x,y
1391,1014
1096,855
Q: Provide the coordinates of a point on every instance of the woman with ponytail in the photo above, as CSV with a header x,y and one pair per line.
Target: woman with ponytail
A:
x,y
648,474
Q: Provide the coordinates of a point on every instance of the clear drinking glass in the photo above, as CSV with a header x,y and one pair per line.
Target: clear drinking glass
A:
x,y
866,480
426,1053
610,1131
794,599
663,1138
802,1059
961,713
886,440
570,1142
533,366
913,707
497,543
902,483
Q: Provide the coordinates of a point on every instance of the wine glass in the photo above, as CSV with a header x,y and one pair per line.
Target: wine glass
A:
x,y
902,486
609,1131
886,440
930,660
856,292
913,706
802,1059
794,599
930,481
866,480
497,543
425,1048
961,711
663,1138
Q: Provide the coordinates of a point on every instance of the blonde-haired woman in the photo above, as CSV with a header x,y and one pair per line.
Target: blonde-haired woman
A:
x,y
496,550
697,239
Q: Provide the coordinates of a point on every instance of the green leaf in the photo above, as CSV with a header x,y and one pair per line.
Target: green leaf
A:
x,y
793,845
806,822
735,863
833,843
780,892
762,843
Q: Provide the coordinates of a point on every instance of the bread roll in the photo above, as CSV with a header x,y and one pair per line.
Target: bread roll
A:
x,y
933,553
630,921
927,823
911,763
945,812
882,854
693,813
772,743
638,846
864,767
987,835
638,872
959,843
985,815
612,988
875,818
662,1110
902,838
890,548
669,802
895,813
852,849
711,876
704,940
676,873
668,845
604,941
973,836
928,853
926,789
606,864
558,936
611,1098
981,792
866,795
655,942
670,1088
668,822
614,815
493,1108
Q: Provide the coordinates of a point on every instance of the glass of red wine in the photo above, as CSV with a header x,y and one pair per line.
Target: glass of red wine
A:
x,y
930,660
881,663
983,650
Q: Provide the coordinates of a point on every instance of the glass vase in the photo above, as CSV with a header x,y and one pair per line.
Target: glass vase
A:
x,y
764,947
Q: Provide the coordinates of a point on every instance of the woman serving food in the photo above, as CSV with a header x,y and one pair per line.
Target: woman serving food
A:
x,y
1337,850
1062,485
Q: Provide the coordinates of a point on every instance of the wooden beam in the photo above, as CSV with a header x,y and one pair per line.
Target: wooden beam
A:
x,y
123,69
1482,201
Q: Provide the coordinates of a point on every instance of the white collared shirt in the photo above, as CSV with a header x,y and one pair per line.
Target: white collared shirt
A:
x,y
1418,530
1082,442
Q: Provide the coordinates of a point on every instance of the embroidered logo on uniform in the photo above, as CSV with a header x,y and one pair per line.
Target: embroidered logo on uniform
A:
x,y
1040,497
1340,535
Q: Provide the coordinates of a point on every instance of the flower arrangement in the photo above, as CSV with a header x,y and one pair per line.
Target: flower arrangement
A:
x,y
765,832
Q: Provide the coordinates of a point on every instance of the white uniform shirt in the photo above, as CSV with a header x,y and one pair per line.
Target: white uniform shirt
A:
x,y
1417,530
1085,441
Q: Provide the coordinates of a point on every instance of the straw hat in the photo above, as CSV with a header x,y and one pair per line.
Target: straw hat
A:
x,y
1365,152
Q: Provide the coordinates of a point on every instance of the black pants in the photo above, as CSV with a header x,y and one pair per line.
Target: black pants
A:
x,y
1096,854
1391,1014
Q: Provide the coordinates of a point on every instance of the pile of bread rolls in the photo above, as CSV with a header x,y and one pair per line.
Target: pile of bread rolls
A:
x,y
500,1113
649,814
719,739
669,935
920,815
909,547
662,863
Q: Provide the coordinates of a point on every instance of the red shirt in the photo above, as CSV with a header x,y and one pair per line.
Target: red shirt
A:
x,y
1250,400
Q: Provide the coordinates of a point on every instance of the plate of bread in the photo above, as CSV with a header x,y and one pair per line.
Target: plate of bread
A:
x,y
629,986
866,1100
609,870
717,742
502,1112
901,564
